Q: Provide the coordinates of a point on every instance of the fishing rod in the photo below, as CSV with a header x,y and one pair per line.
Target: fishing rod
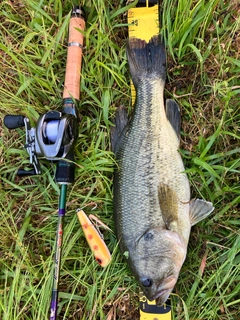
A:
x,y
55,135
65,169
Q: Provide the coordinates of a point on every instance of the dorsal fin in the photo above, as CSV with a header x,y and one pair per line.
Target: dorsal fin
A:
x,y
117,132
199,210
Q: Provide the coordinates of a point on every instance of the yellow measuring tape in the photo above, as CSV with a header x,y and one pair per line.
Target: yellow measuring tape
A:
x,y
150,311
143,23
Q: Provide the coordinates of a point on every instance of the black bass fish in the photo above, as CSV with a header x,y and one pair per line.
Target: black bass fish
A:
x,y
152,208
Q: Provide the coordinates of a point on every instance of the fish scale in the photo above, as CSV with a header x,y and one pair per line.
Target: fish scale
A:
x,y
144,156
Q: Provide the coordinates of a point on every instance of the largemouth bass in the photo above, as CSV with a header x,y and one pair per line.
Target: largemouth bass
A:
x,y
152,208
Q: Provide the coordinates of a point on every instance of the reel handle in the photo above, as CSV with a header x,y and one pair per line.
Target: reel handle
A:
x,y
17,121
25,173
14,121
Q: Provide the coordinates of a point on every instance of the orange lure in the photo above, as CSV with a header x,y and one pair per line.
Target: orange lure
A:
x,y
95,242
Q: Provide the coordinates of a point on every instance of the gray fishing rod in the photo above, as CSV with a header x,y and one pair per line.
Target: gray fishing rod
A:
x,y
54,137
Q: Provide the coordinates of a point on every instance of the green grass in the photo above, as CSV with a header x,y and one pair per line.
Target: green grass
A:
x,y
203,44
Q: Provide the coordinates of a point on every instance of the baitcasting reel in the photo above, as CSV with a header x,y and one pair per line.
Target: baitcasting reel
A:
x,y
53,138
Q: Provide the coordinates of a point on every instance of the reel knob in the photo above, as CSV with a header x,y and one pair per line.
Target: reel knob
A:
x,y
13,121
26,173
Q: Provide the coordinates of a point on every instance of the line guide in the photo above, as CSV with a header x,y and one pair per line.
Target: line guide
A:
x,y
143,21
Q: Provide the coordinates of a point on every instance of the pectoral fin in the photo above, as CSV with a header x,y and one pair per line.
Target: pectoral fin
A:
x,y
168,201
173,115
199,210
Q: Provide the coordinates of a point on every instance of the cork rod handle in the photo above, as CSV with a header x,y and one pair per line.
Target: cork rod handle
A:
x,y
74,55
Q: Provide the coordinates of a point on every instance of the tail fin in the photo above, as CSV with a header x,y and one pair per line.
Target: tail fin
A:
x,y
146,59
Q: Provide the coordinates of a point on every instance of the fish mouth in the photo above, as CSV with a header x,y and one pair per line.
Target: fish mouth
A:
x,y
159,294
162,296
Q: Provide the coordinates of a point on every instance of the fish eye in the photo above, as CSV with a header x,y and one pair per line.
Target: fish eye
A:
x,y
146,282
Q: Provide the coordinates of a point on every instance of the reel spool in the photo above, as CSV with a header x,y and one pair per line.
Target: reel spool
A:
x,y
55,134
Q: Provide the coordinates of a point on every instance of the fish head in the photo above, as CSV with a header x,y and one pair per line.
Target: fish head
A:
x,y
157,262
